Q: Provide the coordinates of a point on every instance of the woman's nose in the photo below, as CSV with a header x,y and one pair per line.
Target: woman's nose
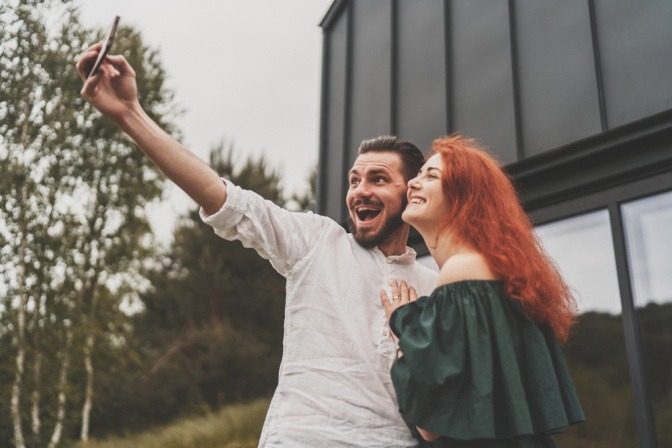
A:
x,y
413,183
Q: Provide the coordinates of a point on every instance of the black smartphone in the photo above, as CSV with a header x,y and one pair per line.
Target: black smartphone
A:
x,y
107,44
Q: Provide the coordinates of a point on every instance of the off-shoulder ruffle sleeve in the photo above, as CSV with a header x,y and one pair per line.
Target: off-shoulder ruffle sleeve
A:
x,y
476,367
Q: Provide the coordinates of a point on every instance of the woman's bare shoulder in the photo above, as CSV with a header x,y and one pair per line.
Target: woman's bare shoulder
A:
x,y
465,266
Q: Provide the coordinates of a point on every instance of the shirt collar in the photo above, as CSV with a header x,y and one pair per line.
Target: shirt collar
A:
x,y
406,258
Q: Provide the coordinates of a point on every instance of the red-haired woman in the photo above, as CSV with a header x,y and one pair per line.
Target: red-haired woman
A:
x,y
479,364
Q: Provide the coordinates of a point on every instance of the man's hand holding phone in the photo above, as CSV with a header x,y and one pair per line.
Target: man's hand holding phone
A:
x,y
109,81
107,45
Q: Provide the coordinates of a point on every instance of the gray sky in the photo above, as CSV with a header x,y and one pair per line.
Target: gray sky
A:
x,y
247,71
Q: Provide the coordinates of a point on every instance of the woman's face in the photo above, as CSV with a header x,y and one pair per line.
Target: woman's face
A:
x,y
427,203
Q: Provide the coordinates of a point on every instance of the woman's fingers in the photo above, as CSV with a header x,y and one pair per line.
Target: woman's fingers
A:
x,y
400,291
396,295
387,306
401,295
403,291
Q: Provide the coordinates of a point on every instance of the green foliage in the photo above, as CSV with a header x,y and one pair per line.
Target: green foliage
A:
x,y
211,330
308,200
655,322
234,426
597,360
72,223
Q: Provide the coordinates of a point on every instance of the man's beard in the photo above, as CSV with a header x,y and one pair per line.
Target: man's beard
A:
x,y
389,227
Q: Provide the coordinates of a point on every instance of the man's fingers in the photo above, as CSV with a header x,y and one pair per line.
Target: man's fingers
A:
x,y
120,63
95,47
87,58
85,63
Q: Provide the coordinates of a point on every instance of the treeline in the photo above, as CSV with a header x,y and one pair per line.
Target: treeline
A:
x,y
210,332
597,359
77,256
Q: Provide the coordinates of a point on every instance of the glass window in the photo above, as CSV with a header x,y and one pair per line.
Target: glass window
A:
x,y
647,225
582,247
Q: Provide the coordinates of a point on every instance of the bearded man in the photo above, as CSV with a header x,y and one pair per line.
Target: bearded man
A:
x,y
334,386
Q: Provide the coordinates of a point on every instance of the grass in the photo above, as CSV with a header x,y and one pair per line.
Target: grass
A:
x,y
235,426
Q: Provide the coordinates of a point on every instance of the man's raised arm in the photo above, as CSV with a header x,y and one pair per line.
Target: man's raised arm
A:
x,y
113,91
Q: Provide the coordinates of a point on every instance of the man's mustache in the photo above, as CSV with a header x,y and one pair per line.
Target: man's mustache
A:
x,y
366,201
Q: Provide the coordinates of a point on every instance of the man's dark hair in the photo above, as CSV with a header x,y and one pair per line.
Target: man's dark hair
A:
x,y
411,157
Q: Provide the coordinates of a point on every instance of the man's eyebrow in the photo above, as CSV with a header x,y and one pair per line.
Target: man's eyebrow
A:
x,y
370,172
378,171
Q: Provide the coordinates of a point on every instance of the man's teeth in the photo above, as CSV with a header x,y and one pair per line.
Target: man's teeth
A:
x,y
367,213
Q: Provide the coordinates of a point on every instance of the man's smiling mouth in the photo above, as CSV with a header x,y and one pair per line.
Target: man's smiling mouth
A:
x,y
366,213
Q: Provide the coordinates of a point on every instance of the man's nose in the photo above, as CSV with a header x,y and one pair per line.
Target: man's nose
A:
x,y
363,189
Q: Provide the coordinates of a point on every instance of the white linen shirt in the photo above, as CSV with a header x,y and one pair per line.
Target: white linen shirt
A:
x,y
334,387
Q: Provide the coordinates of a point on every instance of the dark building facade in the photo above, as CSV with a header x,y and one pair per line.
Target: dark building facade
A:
x,y
575,99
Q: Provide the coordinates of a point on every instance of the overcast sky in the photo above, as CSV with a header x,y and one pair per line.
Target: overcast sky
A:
x,y
247,71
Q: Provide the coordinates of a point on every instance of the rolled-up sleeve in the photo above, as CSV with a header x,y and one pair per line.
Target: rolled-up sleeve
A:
x,y
279,235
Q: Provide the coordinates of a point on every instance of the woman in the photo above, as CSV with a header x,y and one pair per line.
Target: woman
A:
x,y
478,363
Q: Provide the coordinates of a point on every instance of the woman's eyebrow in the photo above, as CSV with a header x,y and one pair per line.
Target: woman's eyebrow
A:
x,y
430,168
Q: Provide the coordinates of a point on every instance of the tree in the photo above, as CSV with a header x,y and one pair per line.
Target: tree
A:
x,y
73,224
29,148
211,329
307,200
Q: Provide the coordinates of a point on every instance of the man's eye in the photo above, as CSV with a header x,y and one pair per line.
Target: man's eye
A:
x,y
354,181
380,180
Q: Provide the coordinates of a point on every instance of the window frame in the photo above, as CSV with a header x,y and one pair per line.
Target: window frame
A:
x,y
612,199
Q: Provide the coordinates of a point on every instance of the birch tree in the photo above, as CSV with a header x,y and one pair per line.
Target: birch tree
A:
x,y
73,224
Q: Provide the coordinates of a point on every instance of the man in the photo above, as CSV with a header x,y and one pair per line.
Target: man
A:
x,y
334,387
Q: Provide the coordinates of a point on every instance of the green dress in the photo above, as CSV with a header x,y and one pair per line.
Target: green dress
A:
x,y
476,370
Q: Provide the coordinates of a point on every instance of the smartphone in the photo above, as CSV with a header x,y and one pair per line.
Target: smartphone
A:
x,y
107,44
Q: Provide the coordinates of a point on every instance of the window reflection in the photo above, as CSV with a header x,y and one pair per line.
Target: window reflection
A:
x,y
582,247
647,224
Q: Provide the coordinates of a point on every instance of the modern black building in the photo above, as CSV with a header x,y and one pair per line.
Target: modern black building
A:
x,y
575,99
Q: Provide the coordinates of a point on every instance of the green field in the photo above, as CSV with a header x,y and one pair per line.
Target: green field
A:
x,y
235,426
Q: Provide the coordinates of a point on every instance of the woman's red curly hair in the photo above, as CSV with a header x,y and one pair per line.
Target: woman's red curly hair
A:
x,y
485,214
